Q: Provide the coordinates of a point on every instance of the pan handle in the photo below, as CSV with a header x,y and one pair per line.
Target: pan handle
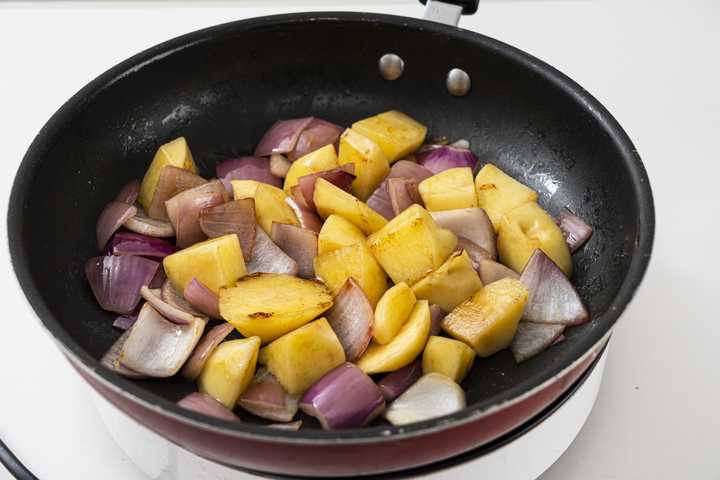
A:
x,y
449,11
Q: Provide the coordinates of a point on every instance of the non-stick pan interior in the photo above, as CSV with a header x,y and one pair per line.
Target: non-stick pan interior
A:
x,y
221,89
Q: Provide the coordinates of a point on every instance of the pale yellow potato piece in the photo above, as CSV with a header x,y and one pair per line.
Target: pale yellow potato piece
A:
x,y
395,133
411,245
371,164
403,348
244,188
449,357
330,200
175,154
322,159
451,284
270,204
336,233
301,357
448,190
391,312
229,370
498,193
526,228
271,304
488,320
354,261
216,263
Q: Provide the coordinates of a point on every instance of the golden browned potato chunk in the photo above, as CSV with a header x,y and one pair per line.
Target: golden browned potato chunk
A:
x,y
397,134
229,369
451,284
498,193
371,164
174,154
449,190
452,358
330,200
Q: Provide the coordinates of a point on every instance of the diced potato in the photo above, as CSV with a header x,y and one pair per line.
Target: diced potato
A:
x,y
498,193
321,159
271,304
397,134
371,164
354,261
488,320
270,204
229,370
451,284
392,311
450,357
175,154
448,190
216,263
330,199
411,245
301,357
403,348
336,233
526,228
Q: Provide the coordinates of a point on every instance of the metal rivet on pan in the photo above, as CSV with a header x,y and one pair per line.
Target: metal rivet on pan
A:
x,y
391,66
458,82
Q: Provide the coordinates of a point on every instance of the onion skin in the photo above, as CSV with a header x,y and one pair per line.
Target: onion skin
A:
x,y
307,217
247,168
282,136
111,219
128,243
445,157
173,297
151,227
172,180
116,280
185,207
111,359
351,318
129,192
268,257
532,338
403,192
204,348
394,384
380,198
436,317
316,135
344,398
341,177
202,298
266,398
237,216
471,223
298,243
575,230
433,395
206,405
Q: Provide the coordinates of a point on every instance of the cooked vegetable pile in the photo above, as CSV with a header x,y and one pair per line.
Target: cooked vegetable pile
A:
x,y
347,273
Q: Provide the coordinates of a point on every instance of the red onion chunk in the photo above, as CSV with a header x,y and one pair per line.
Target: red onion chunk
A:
x,y
202,298
236,217
268,257
476,254
123,322
432,396
116,281
351,318
436,317
170,312
380,199
316,135
394,384
206,405
204,348
173,297
172,180
491,271
127,243
111,359
298,243
266,398
159,279
575,230
344,398
445,157
282,136
157,347
403,192
129,192
470,223
306,216
291,426
111,218
341,177
151,227
185,207
247,168
551,296
560,338
532,338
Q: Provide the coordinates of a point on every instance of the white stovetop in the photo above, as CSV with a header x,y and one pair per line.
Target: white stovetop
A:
x,y
653,63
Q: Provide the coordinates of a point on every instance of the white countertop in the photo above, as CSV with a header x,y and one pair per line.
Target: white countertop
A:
x,y
655,64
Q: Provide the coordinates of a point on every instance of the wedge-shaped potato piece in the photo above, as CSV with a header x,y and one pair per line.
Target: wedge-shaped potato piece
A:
x,y
216,263
411,245
527,228
174,154
401,350
244,188
301,357
371,164
487,321
498,193
336,233
321,159
392,311
270,204
448,190
330,200
271,304
452,358
354,261
395,133
451,284
229,370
